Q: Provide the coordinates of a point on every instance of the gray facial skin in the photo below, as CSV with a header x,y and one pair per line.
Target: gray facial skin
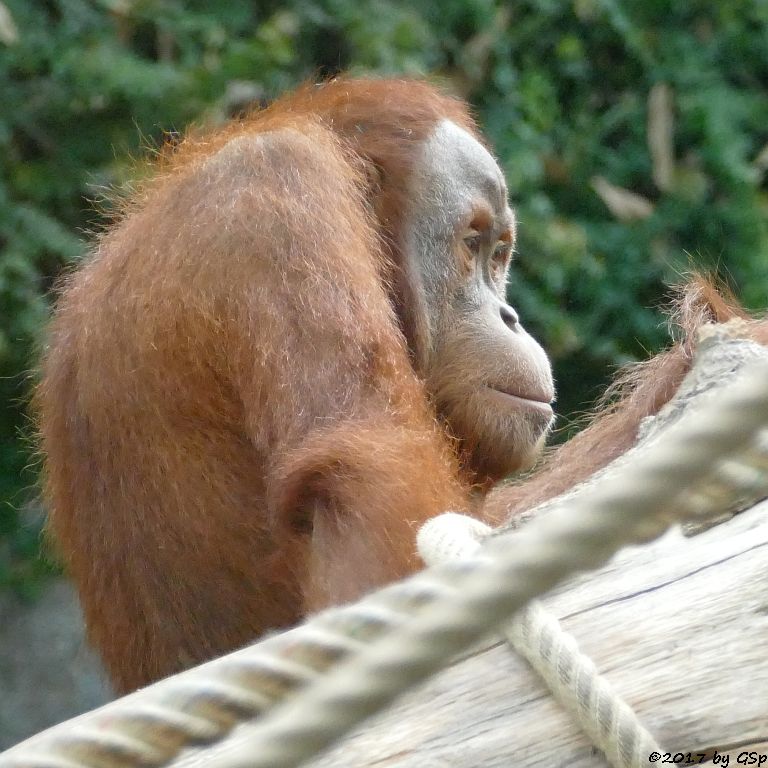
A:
x,y
488,377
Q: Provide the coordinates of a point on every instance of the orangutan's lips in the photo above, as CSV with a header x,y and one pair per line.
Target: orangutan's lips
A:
x,y
528,400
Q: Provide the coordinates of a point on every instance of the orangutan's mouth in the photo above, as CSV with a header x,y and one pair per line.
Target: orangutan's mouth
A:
x,y
528,399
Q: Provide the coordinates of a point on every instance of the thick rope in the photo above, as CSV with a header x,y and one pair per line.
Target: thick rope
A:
x,y
451,607
538,637
201,706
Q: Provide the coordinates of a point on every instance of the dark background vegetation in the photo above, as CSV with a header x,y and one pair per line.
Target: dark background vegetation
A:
x,y
634,135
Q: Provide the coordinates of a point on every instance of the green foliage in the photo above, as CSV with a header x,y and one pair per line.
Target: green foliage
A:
x,y
562,89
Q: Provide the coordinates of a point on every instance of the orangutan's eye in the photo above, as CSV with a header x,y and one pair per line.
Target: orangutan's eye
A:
x,y
502,253
473,240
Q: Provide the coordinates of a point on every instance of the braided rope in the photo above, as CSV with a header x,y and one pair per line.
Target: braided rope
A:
x,y
201,706
450,607
538,637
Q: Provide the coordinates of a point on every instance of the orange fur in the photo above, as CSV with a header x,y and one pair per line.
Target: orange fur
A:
x,y
229,346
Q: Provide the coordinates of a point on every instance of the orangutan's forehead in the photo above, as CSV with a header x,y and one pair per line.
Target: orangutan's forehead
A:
x,y
454,171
